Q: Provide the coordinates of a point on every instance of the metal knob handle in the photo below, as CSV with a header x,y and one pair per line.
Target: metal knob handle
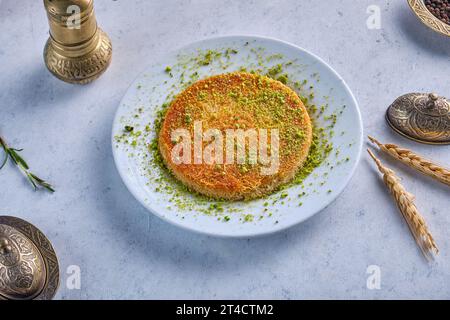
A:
x,y
432,98
5,247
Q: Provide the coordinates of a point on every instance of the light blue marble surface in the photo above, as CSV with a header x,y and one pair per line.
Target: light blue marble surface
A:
x,y
124,252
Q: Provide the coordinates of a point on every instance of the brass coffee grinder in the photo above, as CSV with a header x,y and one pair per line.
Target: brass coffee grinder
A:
x,y
78,51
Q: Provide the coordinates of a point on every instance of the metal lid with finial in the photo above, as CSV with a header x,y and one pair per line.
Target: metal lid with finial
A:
x,y
421,117
28,264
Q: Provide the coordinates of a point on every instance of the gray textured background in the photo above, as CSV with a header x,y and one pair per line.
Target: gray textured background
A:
x,y
124,252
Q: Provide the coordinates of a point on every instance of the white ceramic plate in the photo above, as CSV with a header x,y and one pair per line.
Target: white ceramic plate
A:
x,y
150,90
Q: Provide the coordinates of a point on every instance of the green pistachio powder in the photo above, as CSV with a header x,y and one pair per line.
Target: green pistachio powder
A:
x,y
141,141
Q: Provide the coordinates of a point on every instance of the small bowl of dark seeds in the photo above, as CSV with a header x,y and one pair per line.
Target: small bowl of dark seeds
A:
x,y
440,9
433,13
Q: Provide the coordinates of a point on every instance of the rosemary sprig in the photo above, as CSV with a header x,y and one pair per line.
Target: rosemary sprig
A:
x,y
13,154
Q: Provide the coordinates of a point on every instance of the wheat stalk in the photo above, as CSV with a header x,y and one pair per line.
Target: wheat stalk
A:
x,y
415,161
405,203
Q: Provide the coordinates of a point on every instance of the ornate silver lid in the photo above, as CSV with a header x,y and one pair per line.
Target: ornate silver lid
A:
x,y
28,264
421,117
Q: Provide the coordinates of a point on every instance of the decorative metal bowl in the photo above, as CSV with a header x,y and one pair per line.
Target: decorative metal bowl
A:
x,y
28,265
421,117
432,22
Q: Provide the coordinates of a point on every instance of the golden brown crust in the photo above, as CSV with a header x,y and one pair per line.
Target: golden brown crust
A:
x,y
231,101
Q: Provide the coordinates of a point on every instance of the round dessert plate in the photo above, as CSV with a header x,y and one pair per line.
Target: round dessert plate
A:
x,y
252,218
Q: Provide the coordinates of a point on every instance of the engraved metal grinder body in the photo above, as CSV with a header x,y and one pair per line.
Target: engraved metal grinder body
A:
x,y
77,50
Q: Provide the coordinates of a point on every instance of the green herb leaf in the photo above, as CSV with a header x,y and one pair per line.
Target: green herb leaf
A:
x,y
36,178
41,182
48,187
4,161
18,159
30,178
